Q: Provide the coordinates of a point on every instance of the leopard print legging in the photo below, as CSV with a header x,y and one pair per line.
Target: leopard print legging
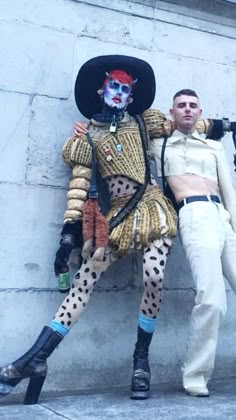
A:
x,y
154,261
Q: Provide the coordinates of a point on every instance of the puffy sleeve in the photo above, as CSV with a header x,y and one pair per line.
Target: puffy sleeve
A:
x,y
157,124
77,150
77,154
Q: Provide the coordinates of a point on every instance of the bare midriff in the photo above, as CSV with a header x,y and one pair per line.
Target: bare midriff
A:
x,y
187,185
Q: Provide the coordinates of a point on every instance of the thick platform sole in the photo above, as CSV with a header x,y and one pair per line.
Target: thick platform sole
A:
x,y
5,389
33,390
197,392
139,395
7,385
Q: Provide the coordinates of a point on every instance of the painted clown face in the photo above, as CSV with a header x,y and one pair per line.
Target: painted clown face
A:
x,y
116,94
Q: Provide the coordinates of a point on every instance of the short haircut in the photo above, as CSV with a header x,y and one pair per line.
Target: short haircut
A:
x,y
188,92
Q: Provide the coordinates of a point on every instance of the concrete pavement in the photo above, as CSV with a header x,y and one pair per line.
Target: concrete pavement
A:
x,y
167,402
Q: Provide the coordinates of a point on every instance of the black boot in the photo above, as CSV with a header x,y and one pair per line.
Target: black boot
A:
x,y
141,376
31,365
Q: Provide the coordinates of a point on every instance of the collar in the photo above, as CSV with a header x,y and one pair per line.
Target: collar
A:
x,y
95,120
177,136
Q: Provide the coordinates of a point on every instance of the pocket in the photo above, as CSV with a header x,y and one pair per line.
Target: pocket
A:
x,y
225,213
186,216
193,221
185,223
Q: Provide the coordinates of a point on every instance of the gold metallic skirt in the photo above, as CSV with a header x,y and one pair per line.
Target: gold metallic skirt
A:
x,y
153,218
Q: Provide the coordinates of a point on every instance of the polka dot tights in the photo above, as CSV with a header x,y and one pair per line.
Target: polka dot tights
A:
x,y
154,261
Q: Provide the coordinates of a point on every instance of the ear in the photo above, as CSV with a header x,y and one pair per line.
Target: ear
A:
x,y
172,113
130,100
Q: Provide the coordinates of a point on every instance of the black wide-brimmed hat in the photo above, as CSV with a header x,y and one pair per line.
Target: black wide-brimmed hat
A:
x,y
93,73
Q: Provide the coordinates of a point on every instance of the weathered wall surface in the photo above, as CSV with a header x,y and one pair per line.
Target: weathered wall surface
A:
x,y
42,45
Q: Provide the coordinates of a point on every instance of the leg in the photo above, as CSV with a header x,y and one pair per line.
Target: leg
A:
x,y
202,236
229,251
154,261
84,281
33,364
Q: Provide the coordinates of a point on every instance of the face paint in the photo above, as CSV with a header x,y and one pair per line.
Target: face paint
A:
x,y
116,94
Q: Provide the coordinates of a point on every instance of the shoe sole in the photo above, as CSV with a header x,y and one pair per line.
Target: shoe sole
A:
x,y
197,394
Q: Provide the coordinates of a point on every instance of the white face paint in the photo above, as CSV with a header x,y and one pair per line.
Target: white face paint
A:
x,y
116,94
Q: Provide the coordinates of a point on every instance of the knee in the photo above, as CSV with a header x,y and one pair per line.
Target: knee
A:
x,y
153,281
83,285
214,299
153,292
215,308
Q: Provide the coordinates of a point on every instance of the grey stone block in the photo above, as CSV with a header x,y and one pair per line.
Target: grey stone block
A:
x,y
40,60
15,112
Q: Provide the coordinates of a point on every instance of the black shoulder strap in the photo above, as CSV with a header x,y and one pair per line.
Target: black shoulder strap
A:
x,y
144,138
166,189
163,149
234,140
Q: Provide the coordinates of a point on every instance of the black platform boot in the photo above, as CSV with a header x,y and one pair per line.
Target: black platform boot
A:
x,y
141,376
31,365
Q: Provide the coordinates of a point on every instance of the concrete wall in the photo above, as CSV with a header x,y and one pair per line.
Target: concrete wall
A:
x,y
43,44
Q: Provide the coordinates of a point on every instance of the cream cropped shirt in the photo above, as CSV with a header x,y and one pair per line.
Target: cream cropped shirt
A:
x,y
193,154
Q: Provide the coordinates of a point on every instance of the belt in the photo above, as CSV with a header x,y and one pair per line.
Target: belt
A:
x,y
187,200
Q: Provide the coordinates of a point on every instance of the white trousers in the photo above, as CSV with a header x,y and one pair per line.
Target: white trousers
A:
x,y
210,246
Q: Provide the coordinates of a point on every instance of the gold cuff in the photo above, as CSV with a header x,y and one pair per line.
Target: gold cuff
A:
x,y
80,183
72,215
75,204
77,194
204,126
80,171
169,127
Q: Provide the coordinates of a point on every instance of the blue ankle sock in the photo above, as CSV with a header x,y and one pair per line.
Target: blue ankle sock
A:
x,y
56,326
147,324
